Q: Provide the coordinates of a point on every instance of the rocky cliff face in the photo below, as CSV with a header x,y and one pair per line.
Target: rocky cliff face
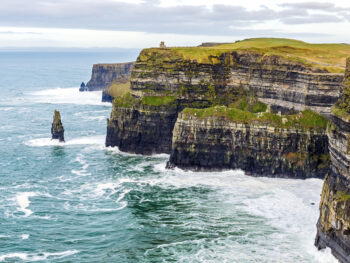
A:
x,y
143,127
284,84
257,146
104,74
333,227
161,74
57,130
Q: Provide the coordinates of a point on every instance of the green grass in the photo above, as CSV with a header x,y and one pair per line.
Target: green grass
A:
x,y
304,120
158,100
125,101
331,57
342,196
247,103
119,89
258,107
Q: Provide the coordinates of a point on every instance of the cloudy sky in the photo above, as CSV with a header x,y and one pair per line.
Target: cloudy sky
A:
x,y
142,23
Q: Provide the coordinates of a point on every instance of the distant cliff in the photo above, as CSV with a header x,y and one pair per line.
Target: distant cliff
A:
x,y
104,74
333,227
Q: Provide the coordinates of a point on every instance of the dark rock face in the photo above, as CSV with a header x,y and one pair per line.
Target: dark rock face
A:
x,y
142,129
106,97
104,74
216,144
333,227
82,87
57,130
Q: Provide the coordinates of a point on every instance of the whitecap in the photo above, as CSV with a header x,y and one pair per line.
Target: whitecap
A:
x,y
68,96
38,256
25,236
23,202
80,173
43,142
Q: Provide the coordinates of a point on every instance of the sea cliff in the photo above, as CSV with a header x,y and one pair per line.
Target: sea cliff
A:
x,y
333,227
202,77
106,77
260,144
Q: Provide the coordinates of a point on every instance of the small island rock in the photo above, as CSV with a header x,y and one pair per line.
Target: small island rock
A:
x,y
57,129
83,87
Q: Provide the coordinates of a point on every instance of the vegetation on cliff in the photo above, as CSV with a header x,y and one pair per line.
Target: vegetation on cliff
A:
x,y
306,119
118,89
330,57
342,107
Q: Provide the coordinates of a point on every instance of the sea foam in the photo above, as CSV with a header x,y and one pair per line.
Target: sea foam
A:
x,y
23,202
43,142
38,256
67,96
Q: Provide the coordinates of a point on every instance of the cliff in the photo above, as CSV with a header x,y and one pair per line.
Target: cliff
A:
x,y
293,146
333,227
57,130
104,74
202,77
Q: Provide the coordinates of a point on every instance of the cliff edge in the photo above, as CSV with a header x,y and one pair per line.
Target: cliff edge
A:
x,y
103,75
333,227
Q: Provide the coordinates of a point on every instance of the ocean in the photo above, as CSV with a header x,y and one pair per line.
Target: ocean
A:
x,y
82,202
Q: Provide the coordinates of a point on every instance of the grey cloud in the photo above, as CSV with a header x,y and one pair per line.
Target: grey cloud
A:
x,y
150,17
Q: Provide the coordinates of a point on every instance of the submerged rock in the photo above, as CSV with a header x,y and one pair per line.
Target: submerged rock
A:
x,y
57,130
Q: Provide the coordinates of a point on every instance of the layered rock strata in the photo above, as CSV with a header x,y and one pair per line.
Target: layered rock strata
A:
x,y
57,130
257,147
286,85
104,74
333,227
143,128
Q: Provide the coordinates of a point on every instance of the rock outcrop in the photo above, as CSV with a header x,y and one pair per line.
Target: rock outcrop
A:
x,y
104,74
260,144
141,126
83,87
333,227
57,130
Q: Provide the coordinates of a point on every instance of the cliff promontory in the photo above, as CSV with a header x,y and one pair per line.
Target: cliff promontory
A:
x,y
104,74
173,87
112,79
333,227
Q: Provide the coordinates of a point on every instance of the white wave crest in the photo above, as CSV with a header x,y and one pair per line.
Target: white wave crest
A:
x,y
42,142
23,202
25,236
38,256
68,96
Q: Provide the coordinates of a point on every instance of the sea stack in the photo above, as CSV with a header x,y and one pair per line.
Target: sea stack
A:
x,y
57,130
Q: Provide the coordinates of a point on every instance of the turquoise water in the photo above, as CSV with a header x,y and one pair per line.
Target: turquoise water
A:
x,y
83,202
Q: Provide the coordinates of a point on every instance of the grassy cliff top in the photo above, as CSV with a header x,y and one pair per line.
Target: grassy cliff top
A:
x,y
304,120
326,56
